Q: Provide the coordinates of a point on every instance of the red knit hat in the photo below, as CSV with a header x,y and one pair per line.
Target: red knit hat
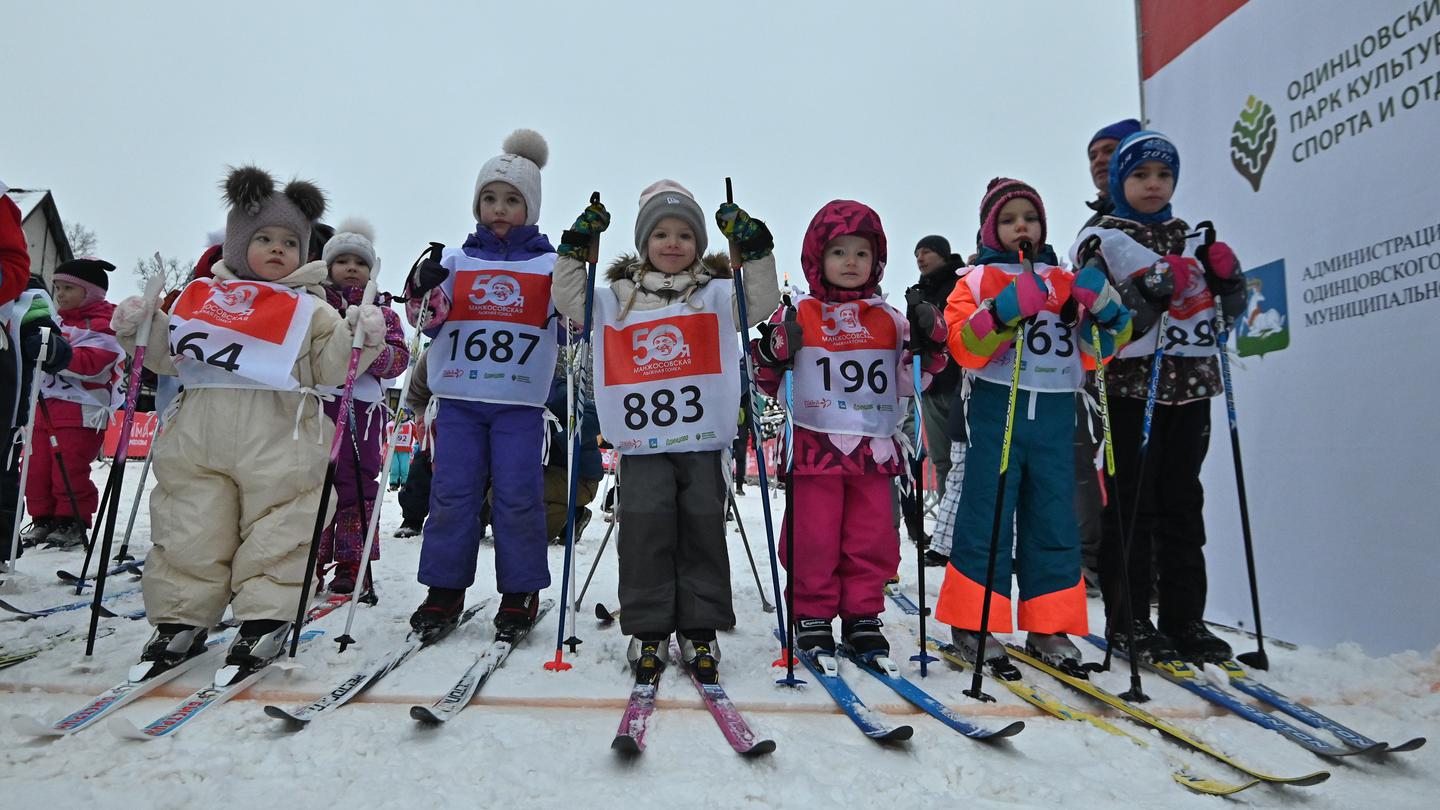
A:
x,y
1000,191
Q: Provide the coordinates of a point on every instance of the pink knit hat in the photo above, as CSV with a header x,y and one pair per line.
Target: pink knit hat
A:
x,y
1000,191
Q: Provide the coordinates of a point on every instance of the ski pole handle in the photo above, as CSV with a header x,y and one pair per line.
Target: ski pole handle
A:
x,y
153,287
734,245
592,256
357,341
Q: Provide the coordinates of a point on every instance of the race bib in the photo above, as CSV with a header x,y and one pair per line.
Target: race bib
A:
x,y
845,371
667,380
239,334
105,392
405,437
1050,358
1190,327
495,345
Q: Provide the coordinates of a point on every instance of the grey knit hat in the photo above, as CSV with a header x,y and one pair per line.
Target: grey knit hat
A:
x,y
667,198
254,204
525,154
354,235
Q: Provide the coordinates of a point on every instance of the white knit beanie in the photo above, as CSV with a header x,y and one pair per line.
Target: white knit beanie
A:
x,y
667,198
525,154
354,235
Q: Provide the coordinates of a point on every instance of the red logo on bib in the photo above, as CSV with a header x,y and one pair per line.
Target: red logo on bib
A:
x,y
682,346
845,327
500,295
257,310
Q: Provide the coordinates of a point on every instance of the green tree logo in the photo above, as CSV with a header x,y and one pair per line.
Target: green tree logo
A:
x,y
1252,141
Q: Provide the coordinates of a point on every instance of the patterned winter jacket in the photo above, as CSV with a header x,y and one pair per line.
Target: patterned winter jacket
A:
x,y
95,362
1182,379
395,354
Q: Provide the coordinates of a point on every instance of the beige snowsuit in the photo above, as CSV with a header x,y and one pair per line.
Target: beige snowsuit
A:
x,y
238,479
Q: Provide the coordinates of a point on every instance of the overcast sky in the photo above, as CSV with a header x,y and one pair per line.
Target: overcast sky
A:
x,y
130,112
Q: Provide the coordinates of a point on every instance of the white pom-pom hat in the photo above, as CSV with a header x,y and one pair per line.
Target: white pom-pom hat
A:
x,y
353,235
525,154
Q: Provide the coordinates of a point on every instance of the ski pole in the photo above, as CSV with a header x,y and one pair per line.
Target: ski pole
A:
x,y
915,518
747,377
745,541
27,448
124,553
975,691
122,451
559,664
572,454
1257,659
1136,694
357,346
614,518
372,529
790,679
98,523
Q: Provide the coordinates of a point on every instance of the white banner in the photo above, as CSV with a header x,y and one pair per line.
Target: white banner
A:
x,y
1305,133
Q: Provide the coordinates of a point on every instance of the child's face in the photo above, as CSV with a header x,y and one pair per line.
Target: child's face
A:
x,y
671,246
1150,187
502,207
1018,221
68,296
848,261
274,252
349,270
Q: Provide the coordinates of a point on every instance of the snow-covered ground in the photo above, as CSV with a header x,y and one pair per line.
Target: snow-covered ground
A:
x,y
536,738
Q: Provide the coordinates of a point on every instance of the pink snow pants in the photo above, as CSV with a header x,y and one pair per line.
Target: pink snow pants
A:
x,y
845,545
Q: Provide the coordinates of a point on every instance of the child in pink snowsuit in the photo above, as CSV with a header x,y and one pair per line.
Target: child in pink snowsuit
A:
x,y
851,355
352,262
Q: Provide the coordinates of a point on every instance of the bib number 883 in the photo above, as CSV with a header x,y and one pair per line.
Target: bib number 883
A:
x,y
662,411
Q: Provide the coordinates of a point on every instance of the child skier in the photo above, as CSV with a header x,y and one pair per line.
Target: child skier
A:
x,y
239,465
74,407
1143,244
352,262
851,354
667,390
489,368
1055,308
404,446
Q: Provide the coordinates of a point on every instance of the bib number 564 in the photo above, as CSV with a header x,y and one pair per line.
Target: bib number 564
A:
x,y
227,358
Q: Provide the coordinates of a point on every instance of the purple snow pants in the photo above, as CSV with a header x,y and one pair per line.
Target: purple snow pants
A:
x,y
343,541
479,444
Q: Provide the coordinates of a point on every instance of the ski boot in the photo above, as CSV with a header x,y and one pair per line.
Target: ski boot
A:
x,y
1151,645
259,642
438,614
171,645
1058,651
814,636
1195,643
868,644
407,530
969,640
648,658
39,529
702,654
68,533
342,578
934,559
516,614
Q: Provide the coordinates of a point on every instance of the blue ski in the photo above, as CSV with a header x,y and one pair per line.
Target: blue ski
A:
x,y
927,702
1183,675
1241,680
864,718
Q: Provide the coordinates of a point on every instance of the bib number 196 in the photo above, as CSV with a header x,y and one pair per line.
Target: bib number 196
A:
x,y
661,410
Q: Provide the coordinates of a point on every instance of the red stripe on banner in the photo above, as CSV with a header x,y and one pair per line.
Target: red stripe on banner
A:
x,y
1168,27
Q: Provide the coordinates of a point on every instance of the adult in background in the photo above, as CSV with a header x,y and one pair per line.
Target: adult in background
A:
x,y
1098,152
937,278
1088,503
